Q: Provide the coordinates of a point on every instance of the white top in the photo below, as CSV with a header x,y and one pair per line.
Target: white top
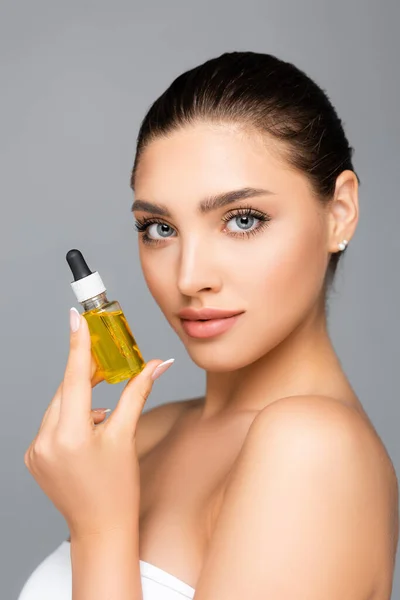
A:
x,y
52,580
88,287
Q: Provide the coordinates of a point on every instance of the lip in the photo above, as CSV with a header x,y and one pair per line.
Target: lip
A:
x,y
194,314
210,327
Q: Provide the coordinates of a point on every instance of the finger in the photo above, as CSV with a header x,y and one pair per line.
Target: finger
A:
x,y
52,413
76,397
133,398
96,374
99,414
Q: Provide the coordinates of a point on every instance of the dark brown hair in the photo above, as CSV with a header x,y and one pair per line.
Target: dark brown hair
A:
x,y
261,92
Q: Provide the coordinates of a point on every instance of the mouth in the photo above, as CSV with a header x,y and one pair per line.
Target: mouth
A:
x,y
206,328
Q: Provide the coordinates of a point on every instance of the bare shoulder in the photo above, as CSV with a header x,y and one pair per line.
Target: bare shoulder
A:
x,y
155,423
321,416
324,424
334,444
311,474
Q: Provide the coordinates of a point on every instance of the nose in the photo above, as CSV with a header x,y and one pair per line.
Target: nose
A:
x,y
198,268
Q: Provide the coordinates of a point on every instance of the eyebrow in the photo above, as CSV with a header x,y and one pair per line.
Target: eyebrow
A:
x,y
208,204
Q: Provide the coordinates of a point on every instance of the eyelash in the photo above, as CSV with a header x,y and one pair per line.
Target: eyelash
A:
x,y
142,224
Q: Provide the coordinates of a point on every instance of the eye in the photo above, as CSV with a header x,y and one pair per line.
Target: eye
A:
x,y
159,229
242,222
245,221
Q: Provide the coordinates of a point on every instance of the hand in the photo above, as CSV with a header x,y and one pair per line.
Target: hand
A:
x,y
90,472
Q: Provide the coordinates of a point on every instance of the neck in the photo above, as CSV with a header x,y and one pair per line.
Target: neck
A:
x,y
303,363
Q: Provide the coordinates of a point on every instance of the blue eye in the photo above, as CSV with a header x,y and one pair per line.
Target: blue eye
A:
x,y
161,229
157,226
244,222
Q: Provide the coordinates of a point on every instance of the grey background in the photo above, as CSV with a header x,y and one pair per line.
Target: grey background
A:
x,y
76,79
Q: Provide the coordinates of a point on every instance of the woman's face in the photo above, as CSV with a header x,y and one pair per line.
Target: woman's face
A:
x,y
263,256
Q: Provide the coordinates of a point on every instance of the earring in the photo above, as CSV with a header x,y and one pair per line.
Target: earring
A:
x,y
343,245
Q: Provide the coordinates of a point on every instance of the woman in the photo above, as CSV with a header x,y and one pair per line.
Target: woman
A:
x,y
275,484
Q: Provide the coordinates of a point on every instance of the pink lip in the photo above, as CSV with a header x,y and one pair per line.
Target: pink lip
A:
x,y
209,328
194,314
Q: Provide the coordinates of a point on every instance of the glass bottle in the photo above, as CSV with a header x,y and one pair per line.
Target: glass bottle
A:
x,y
114,347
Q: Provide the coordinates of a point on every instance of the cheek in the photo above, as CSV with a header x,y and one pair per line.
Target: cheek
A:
x,y
279,282
289,280
158,277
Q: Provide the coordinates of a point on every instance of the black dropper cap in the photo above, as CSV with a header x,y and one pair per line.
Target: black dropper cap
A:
x,y
78,264
87,284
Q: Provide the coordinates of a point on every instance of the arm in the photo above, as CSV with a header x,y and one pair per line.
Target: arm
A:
x,y
295,522
155,423
91,474
106,567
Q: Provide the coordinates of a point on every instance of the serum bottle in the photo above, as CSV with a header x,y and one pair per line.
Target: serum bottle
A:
x,y
113,346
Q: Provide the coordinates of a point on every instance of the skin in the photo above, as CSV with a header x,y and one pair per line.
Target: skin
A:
x,y
275,388
278,272
275,276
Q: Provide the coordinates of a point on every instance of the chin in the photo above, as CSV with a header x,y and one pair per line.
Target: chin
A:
x,y
218,357
234,349
225,365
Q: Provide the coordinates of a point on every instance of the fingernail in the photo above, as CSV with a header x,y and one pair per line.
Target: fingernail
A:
x,y
162,368
102,410
74,319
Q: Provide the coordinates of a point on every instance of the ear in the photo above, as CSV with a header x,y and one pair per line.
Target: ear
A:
x,y
343,210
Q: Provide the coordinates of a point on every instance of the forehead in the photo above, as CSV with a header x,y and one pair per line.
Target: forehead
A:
x,y
208,157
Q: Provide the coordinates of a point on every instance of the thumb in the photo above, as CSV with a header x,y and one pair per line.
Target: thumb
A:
x,y
134,396
76,400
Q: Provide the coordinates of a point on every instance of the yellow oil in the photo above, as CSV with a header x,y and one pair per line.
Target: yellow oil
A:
x,y
113,346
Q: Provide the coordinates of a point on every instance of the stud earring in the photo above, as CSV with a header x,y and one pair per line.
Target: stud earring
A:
x,y
343,245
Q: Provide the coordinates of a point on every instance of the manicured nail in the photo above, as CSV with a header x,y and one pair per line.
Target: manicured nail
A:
x,y
162,368
102,410
74,319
